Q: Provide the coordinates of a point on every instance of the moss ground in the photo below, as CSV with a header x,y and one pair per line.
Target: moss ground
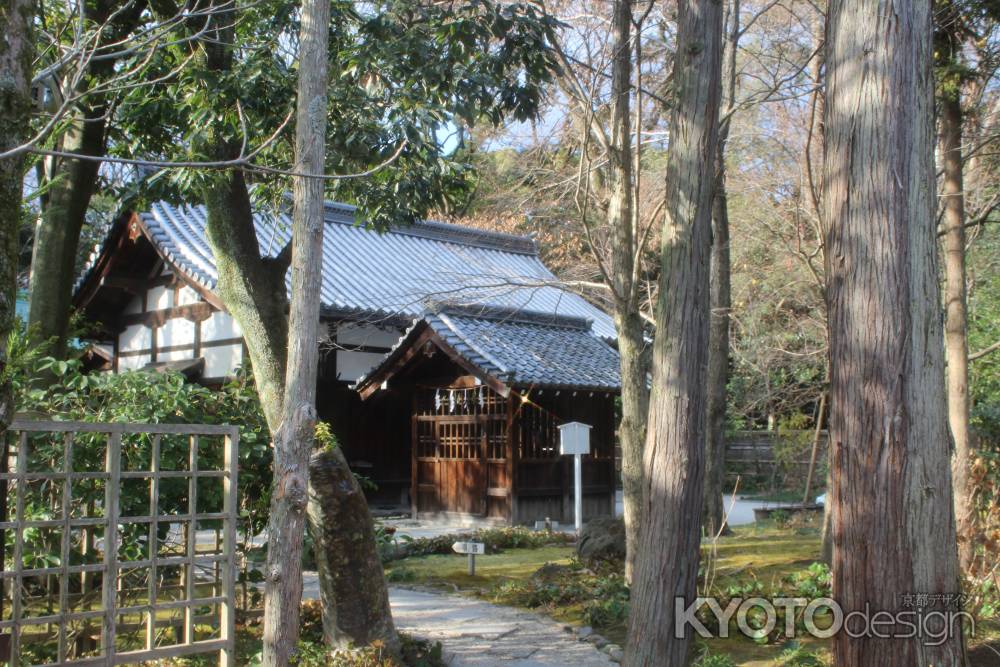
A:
x,y
758,559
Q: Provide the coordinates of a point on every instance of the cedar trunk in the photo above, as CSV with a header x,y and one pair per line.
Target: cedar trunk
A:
x,y
674,465
16,53
893,517
720,294
956,324
720,299
294,442
628,323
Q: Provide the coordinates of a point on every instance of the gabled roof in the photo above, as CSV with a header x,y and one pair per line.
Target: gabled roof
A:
x,y
506,348
402,272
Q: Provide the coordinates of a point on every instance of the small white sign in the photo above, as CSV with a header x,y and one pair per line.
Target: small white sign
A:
x,y
574,438
475,548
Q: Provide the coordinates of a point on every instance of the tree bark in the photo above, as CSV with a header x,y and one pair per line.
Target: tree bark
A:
x,y
57,234
956,324
632,430
355,604
252,287
628,323
893,516
720,296
294,442
720,303
673,485
16,53
71,184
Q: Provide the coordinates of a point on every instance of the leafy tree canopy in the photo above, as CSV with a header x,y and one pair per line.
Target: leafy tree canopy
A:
x,y
402,75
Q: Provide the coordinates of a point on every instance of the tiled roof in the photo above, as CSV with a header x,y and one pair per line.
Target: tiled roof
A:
x,y
401,272
522,349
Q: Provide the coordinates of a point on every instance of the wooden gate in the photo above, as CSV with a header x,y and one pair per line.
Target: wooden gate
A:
x,y
107,567
460,452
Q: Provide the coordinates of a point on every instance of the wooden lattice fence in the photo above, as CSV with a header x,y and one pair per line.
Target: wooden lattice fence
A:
x,y
103,564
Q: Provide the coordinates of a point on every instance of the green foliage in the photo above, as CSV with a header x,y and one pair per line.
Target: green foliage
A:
x,y
602,594
780,518
792,449
312,652
403,75
399,575
709,659
815,582
495,539
140,397
798,656
325,439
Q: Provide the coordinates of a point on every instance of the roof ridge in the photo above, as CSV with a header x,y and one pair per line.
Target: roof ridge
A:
x,y
442,231
515,315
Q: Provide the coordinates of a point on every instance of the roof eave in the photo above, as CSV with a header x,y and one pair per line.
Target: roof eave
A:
x,y
412,345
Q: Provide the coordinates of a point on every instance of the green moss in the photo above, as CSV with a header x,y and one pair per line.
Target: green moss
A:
x,y
765,557
451,571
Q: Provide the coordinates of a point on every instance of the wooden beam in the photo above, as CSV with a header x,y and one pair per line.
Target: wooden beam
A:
x,y
195,312
126,283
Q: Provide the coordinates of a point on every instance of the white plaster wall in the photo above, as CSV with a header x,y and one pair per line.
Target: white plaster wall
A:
x,y
159,298
175,355
131,363
352,365
219,326
135,337
222,360
187,295
175,331
366,334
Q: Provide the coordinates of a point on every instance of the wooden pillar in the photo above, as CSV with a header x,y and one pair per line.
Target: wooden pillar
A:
x,y
512,455
413,454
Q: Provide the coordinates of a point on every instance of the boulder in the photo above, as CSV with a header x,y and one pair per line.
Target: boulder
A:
x,y
550,573
601,539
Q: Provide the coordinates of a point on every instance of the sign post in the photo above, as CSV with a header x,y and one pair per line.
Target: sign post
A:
x,y
574,438
470,548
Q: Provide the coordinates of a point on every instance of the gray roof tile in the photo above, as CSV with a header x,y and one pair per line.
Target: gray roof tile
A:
x,y
403,271
523,349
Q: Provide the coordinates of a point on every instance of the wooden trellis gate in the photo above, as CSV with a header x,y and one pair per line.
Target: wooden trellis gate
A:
x,y
106,565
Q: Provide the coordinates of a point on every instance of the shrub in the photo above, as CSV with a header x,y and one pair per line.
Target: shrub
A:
x,y
708,659
494,539
797,656
603,595
142,397
814,582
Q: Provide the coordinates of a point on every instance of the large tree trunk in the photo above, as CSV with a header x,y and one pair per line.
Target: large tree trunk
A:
x,y
252,287
720,301
57,234
893,518
956,326
16,52
71,184
632,430
355,603
667,564
628,323
295,437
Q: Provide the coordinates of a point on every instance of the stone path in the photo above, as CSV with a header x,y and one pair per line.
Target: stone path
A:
x,y
480,634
